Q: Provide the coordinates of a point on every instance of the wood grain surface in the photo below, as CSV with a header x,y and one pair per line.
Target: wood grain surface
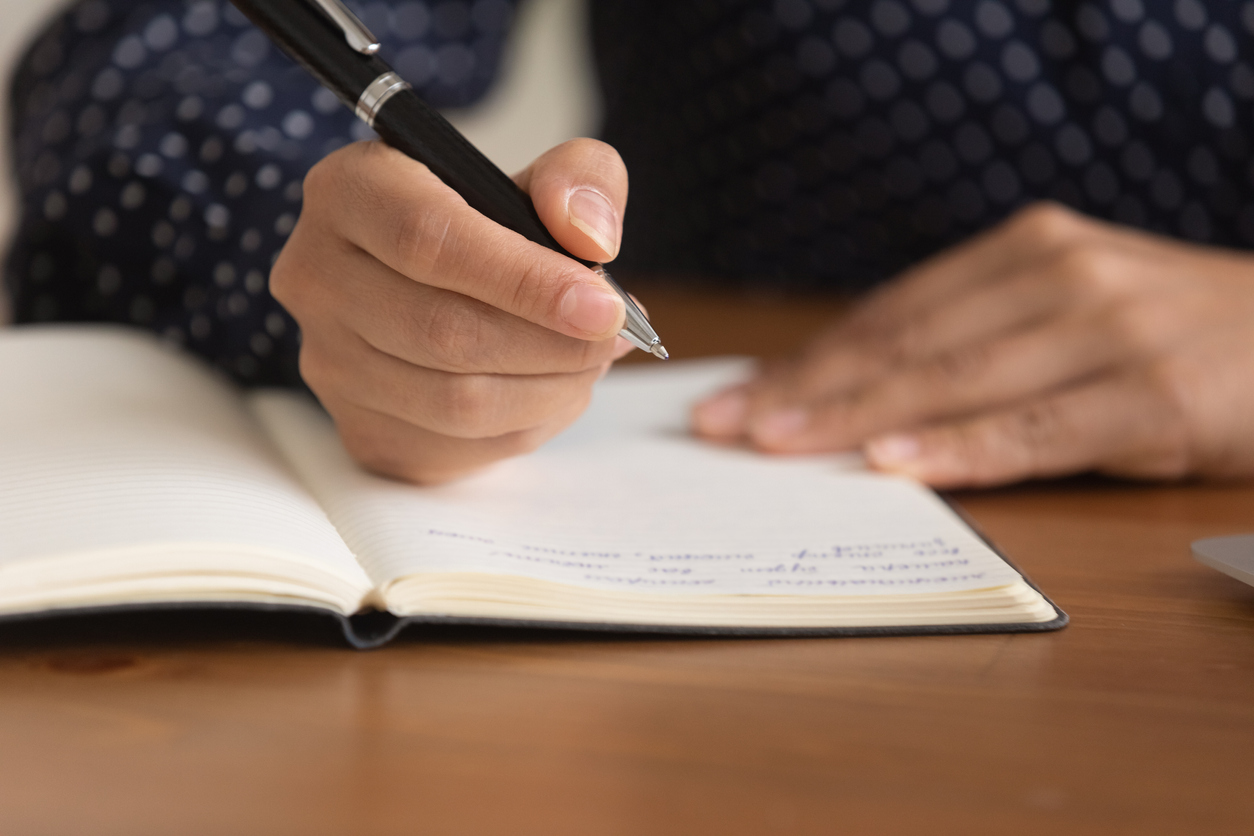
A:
x,y
1136,719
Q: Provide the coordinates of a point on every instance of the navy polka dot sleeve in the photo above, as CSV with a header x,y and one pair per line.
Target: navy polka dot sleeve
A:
x,y
160,151
797,143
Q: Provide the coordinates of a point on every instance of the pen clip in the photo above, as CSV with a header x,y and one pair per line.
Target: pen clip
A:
x,y
355,32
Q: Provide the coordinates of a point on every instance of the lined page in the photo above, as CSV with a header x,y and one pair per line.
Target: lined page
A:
x,y
120,457
626,500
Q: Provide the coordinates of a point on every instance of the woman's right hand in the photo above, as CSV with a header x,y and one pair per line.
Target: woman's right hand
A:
x,y
438,340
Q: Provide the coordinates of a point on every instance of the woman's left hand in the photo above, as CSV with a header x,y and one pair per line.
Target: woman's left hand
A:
x,y
1052,344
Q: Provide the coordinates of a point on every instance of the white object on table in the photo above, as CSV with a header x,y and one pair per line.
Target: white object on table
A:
x,y
1232,555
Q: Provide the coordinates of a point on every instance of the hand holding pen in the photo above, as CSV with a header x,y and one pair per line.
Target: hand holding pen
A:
x,y
440,329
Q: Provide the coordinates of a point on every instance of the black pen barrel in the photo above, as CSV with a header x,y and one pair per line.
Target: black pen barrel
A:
x,y
409,125
404,121
313,41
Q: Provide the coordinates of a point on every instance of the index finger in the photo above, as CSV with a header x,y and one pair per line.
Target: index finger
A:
x,y
398,211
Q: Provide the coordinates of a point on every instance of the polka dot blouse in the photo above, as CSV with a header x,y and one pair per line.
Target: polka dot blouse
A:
x,y
161,145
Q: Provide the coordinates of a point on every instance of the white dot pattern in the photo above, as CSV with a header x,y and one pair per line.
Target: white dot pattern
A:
x,y
162,148
930,121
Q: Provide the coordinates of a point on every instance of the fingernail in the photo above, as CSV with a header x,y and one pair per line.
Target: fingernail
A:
x,y
723,414
588,308
592,215
779,426
893,449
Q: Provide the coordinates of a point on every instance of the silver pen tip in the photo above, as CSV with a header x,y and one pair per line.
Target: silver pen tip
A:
x,y
659,351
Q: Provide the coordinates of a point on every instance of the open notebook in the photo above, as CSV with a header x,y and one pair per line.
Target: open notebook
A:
x,y
133,475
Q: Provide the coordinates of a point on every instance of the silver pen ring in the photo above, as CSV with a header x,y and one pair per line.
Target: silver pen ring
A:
x,y
376,95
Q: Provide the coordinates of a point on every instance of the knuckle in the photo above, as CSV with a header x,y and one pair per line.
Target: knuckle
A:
x,y
340,173
423,242
467,406
985,453
294,277
1089,270
1029,434
537,285
284,279
318,369
295,282
527,284
1045,222
535,293
319,179
452,329
959,366
381,455
1036,426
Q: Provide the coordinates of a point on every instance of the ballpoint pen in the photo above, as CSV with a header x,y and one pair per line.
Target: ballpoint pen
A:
x,y
328,40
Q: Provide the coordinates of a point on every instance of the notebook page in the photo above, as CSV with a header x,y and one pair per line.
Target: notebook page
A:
x,y
122,458
626,500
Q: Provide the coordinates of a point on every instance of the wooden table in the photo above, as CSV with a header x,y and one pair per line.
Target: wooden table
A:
x,y
1136,719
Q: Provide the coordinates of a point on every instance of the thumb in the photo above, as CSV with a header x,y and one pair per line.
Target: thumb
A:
x,y
579,189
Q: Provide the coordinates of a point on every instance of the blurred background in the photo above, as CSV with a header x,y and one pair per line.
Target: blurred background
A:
x,y
545,93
